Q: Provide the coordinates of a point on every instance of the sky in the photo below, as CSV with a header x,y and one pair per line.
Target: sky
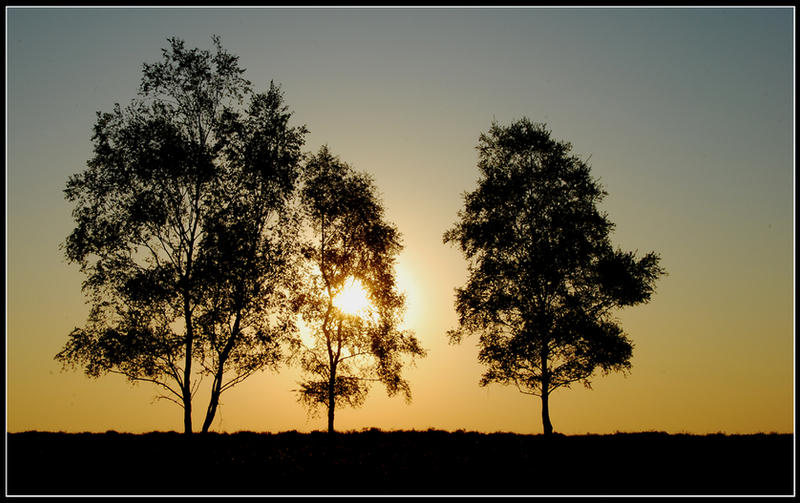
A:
x,y
685,114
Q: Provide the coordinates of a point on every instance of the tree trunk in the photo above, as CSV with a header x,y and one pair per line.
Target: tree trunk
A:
x,y
187,401
187,369
546,424
331,431
331,399
216,387
331,407
212,404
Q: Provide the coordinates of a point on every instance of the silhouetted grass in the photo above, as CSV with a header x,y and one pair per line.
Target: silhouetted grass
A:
x,y
398,462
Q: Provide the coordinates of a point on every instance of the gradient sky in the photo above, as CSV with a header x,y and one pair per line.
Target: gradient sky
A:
x,y
687,114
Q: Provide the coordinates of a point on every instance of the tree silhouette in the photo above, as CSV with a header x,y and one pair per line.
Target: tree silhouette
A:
x,y
544,279
350,241
181,230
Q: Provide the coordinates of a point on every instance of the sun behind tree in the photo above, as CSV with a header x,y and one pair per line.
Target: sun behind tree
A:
x,y
353,299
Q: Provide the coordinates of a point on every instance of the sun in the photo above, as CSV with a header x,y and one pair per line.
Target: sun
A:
x,y
353,299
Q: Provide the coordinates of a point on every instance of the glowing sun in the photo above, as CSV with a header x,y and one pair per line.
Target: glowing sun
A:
x,y
353,299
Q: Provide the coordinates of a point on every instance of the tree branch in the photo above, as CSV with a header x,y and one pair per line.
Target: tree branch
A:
x,y
133,377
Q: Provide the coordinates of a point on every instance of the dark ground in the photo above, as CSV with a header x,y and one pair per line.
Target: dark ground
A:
x,y
399,462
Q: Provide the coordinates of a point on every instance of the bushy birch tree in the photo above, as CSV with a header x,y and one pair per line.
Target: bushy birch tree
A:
x,y
179,219
544,279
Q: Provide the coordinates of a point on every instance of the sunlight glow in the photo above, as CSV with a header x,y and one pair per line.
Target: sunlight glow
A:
x,y
353,299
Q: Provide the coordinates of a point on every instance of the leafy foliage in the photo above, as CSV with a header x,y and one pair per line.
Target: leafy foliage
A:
x,y
544,278
350,240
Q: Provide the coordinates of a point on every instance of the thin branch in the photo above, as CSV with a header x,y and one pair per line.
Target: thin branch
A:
x,y
146,379
239,378
357,378
196,385
343,358
566,382
519,388
165,397
173,371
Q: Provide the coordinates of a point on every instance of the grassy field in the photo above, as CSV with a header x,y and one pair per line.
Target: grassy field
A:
x,y
431,462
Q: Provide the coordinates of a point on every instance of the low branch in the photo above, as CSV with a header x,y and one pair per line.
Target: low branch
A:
x,y
196,386
371,379
165,397
146,379
519,388
343,358
236,380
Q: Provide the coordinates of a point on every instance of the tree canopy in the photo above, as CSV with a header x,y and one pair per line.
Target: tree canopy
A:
x,y
544,280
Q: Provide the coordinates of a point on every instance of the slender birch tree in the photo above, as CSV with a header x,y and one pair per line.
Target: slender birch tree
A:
x,y
352,251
